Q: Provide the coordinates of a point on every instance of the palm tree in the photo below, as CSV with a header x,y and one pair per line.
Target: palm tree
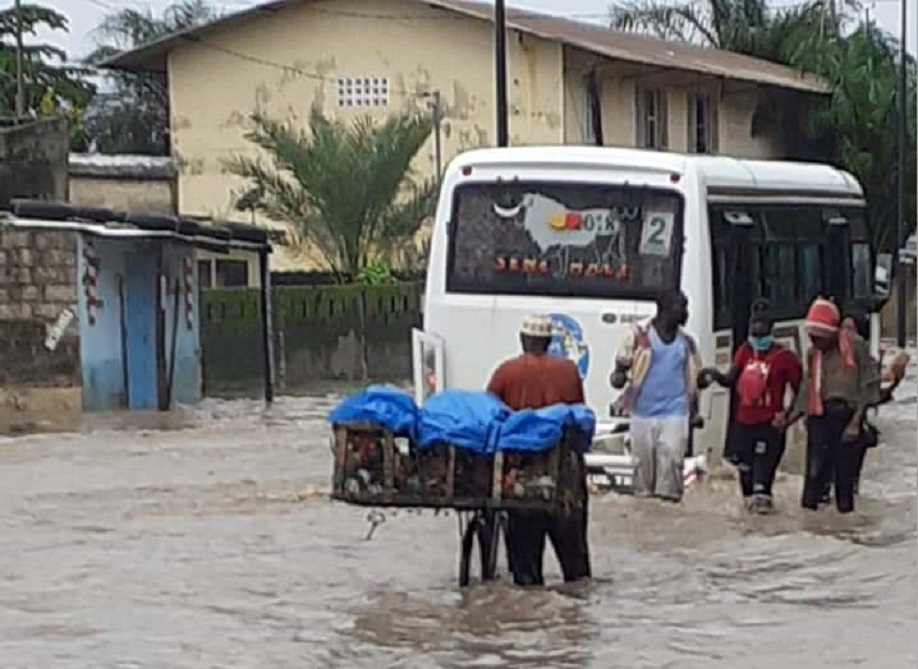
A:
x,y
750,27
134,118
345,188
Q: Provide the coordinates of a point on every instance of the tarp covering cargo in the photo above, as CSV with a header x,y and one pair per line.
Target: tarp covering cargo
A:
x,y
462,418
470,420
391,408
541,429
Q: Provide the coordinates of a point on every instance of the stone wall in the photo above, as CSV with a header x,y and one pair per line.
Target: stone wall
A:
x,y
37,269
37,282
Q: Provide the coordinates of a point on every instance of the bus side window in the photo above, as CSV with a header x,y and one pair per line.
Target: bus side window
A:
x,y
862,273
735,233
792,257
778,281
810,268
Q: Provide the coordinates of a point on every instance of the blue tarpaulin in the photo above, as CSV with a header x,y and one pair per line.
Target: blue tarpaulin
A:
x,y
462,418
471,420
541,429
391,408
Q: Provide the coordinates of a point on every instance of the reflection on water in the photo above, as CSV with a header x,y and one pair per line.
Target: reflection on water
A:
x,y
203,539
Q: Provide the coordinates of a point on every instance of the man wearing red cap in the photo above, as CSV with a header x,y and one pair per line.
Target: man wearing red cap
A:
x,y
840,383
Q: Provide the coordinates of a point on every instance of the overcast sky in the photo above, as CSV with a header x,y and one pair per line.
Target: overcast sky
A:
x,y
84,15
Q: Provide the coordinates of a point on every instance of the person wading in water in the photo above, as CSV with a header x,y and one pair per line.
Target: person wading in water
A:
x,y
856,325
532,381
658,367
841,382
762,372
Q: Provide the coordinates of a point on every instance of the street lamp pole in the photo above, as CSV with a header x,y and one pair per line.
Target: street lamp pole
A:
x,y
20,95
902,282
500,62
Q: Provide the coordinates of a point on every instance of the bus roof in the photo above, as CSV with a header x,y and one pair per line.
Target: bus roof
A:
x,y
716,172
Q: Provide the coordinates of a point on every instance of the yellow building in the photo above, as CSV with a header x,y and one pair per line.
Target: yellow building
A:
x,y
379,57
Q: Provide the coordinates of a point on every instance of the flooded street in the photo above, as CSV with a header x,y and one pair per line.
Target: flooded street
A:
x,y
214,546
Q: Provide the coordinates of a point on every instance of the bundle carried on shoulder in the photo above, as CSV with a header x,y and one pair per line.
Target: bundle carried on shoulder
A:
x,y
461,449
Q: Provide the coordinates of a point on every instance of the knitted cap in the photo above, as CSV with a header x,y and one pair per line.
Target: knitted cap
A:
x,y
823,317
536,325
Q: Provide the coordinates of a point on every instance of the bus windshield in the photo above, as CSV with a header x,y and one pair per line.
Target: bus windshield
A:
x,y
564,239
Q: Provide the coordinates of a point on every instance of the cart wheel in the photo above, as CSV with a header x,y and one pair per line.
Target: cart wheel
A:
x,y
485,528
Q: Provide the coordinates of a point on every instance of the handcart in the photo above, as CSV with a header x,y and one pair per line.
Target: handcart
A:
x,y
373,467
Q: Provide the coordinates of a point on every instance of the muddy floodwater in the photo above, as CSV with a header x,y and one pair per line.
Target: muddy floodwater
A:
x,y
212,545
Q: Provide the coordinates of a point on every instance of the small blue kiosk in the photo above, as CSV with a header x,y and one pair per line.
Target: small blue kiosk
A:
x,y
138,298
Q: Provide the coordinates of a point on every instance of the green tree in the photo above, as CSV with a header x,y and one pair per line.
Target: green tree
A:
x,y
346,189
134,117
50,84
863,114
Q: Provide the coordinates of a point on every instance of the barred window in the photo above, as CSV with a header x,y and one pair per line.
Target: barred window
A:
x,y
363,92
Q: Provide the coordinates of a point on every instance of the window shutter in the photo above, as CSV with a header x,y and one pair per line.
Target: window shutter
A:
x,y
640,118
663,119
714,124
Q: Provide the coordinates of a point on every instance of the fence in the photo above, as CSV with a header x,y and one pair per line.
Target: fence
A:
x,y
322,333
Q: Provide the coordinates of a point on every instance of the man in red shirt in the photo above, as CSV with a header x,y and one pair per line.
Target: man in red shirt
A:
x,y
761,373
532,381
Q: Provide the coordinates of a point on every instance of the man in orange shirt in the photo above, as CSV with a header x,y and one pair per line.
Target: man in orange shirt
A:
x,y
532,381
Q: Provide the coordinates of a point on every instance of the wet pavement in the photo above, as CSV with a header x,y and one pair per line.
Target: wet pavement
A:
x,y
212,544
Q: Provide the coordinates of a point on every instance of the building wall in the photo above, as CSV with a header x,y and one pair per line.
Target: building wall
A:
x,y
101,342
36,156
618,83
213,92
37,269
152,196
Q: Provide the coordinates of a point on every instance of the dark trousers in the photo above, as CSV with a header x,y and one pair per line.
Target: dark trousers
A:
x,y
758,450
829,458
525,536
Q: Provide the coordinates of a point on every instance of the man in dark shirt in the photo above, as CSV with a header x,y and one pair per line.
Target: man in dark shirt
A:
x,y
532,381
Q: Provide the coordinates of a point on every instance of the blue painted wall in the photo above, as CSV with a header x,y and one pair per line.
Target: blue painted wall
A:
x,y
100,341
187,382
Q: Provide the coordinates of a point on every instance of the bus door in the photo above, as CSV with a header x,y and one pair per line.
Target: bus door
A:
x,y
736,246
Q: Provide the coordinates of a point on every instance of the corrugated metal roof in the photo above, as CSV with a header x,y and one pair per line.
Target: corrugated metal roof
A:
x,y
612,44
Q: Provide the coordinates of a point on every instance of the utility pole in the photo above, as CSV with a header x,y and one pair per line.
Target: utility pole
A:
x,y
902,282
20,99
436,109
500,62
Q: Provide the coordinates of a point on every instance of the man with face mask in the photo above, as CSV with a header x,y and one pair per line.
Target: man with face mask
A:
x,y
840,383
761,373
658,366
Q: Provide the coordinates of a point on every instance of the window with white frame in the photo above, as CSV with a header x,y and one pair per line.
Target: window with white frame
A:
x,y
363,92
651,118
702,123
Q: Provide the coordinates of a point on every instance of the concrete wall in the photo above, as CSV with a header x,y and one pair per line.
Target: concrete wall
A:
x,y
323,333
146,195
123,182
36,155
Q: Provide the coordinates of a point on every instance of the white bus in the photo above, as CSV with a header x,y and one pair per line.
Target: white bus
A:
x,y
590,235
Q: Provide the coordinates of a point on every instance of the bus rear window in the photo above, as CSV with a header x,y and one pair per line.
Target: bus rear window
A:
x,y
564,239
